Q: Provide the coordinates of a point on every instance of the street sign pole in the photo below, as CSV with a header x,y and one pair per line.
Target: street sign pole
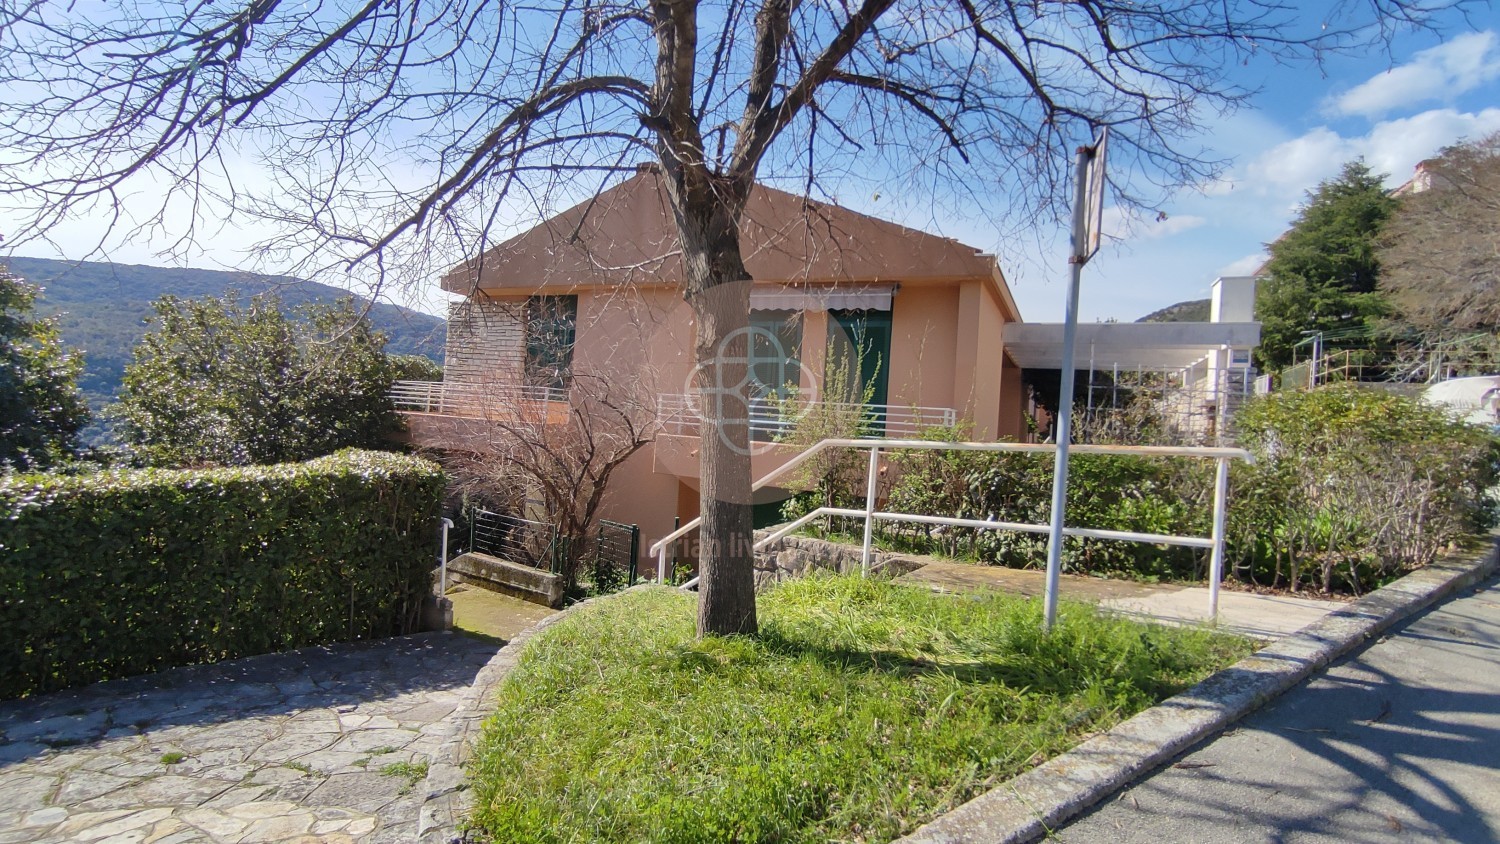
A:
x,y
1088,200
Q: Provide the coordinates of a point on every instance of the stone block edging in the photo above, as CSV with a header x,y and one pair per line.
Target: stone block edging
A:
x,y
446,799
1028,806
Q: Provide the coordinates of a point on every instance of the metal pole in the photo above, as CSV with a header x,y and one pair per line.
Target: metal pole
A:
x,y
1216,562
443,560
661,566
1064,427
870,509
1317,359
1091,377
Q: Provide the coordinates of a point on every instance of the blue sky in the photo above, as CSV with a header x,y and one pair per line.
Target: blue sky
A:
x,y
1394,108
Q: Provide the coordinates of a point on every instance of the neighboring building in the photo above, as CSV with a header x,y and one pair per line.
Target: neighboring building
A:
x,y
596,293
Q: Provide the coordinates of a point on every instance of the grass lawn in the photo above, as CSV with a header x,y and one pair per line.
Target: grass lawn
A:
x,y
862,710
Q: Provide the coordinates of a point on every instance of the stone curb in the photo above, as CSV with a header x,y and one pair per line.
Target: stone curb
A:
x,y
446,799
1028,806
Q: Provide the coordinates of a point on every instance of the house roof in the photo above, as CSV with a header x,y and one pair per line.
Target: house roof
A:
x,y
626,235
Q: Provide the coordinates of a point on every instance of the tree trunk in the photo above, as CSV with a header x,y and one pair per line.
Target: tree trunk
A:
x,y
718,289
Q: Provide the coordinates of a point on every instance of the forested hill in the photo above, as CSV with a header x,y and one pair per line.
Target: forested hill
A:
x,y
104,309
1193,310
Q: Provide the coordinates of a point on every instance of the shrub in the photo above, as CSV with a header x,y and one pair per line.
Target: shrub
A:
x,y
1353,486
1112,492
221,383
126,572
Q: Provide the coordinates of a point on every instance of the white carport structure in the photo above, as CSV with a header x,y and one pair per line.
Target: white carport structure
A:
x,y
1201,369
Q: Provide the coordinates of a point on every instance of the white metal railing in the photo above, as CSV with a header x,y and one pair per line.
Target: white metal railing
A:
x,y
679,414
1214,542
450,398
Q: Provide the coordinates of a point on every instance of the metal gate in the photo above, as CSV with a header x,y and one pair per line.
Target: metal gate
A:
x,y
515,540
616,548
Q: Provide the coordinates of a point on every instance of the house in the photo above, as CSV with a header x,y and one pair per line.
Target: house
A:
x,y
919,325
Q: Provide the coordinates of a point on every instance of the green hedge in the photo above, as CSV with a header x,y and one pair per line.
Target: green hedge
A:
x,y
126,572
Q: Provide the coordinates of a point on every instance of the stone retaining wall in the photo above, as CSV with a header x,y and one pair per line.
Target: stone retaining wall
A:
x,y
795,556
509,578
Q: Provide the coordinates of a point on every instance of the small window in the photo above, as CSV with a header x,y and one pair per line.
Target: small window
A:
x,y
551,330
775,351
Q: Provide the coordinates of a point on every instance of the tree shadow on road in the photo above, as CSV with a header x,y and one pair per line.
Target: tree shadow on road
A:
x,y
1378,749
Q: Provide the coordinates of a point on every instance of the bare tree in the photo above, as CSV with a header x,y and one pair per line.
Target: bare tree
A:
x,y
564,465
1440,256
398,129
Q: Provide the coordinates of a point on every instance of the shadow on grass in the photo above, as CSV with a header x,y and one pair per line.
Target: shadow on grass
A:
x,y
1022,670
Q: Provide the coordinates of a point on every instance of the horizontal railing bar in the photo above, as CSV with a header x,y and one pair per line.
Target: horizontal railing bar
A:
x,y
1218,452
990,524
789,528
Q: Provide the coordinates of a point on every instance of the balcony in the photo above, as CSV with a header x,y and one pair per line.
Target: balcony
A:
x,y
770,422
472,401
457,415
677,446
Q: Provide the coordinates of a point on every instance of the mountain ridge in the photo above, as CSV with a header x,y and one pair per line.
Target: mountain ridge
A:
x,y
1191,310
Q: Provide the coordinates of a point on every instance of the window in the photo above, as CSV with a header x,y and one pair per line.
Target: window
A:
x,y
551,329
775,351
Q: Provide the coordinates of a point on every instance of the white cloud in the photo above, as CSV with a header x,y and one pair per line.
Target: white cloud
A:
x,y
1438,73
1393,147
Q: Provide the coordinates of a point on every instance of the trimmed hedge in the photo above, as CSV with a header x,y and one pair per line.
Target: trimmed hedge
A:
x,y
126,572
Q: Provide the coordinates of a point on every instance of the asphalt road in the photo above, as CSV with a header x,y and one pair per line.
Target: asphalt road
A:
x,y
1398,742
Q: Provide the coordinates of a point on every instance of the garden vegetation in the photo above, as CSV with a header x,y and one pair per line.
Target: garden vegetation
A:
x,y
119,573
1351,487
221,382
862,709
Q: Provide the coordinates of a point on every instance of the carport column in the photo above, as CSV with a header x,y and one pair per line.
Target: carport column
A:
x,y
1216,562
870,508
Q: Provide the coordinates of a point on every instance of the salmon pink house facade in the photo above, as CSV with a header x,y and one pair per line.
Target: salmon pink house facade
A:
x,y
914,322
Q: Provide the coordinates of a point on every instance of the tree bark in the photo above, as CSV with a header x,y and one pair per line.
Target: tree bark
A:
x,y
718,289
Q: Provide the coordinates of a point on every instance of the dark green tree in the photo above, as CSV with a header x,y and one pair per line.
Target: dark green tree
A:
x,y
1323,272
416,368
221,382
41,409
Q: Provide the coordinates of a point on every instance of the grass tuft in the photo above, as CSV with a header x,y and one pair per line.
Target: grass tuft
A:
x,y
172,757
412,772
862,710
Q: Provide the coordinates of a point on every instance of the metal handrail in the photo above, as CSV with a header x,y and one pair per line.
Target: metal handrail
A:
x,y
1215,542
451,398
679,414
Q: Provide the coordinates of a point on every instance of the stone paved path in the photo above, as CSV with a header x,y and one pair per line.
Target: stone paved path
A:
x,y
318,745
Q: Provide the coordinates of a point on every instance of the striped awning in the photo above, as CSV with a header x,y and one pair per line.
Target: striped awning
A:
x,y
825,297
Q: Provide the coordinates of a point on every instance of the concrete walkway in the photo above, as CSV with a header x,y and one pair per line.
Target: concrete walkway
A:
x,y
491,615
323,744
1260,616
1399,742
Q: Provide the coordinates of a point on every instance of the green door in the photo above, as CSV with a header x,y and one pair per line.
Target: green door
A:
x,y
864,336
